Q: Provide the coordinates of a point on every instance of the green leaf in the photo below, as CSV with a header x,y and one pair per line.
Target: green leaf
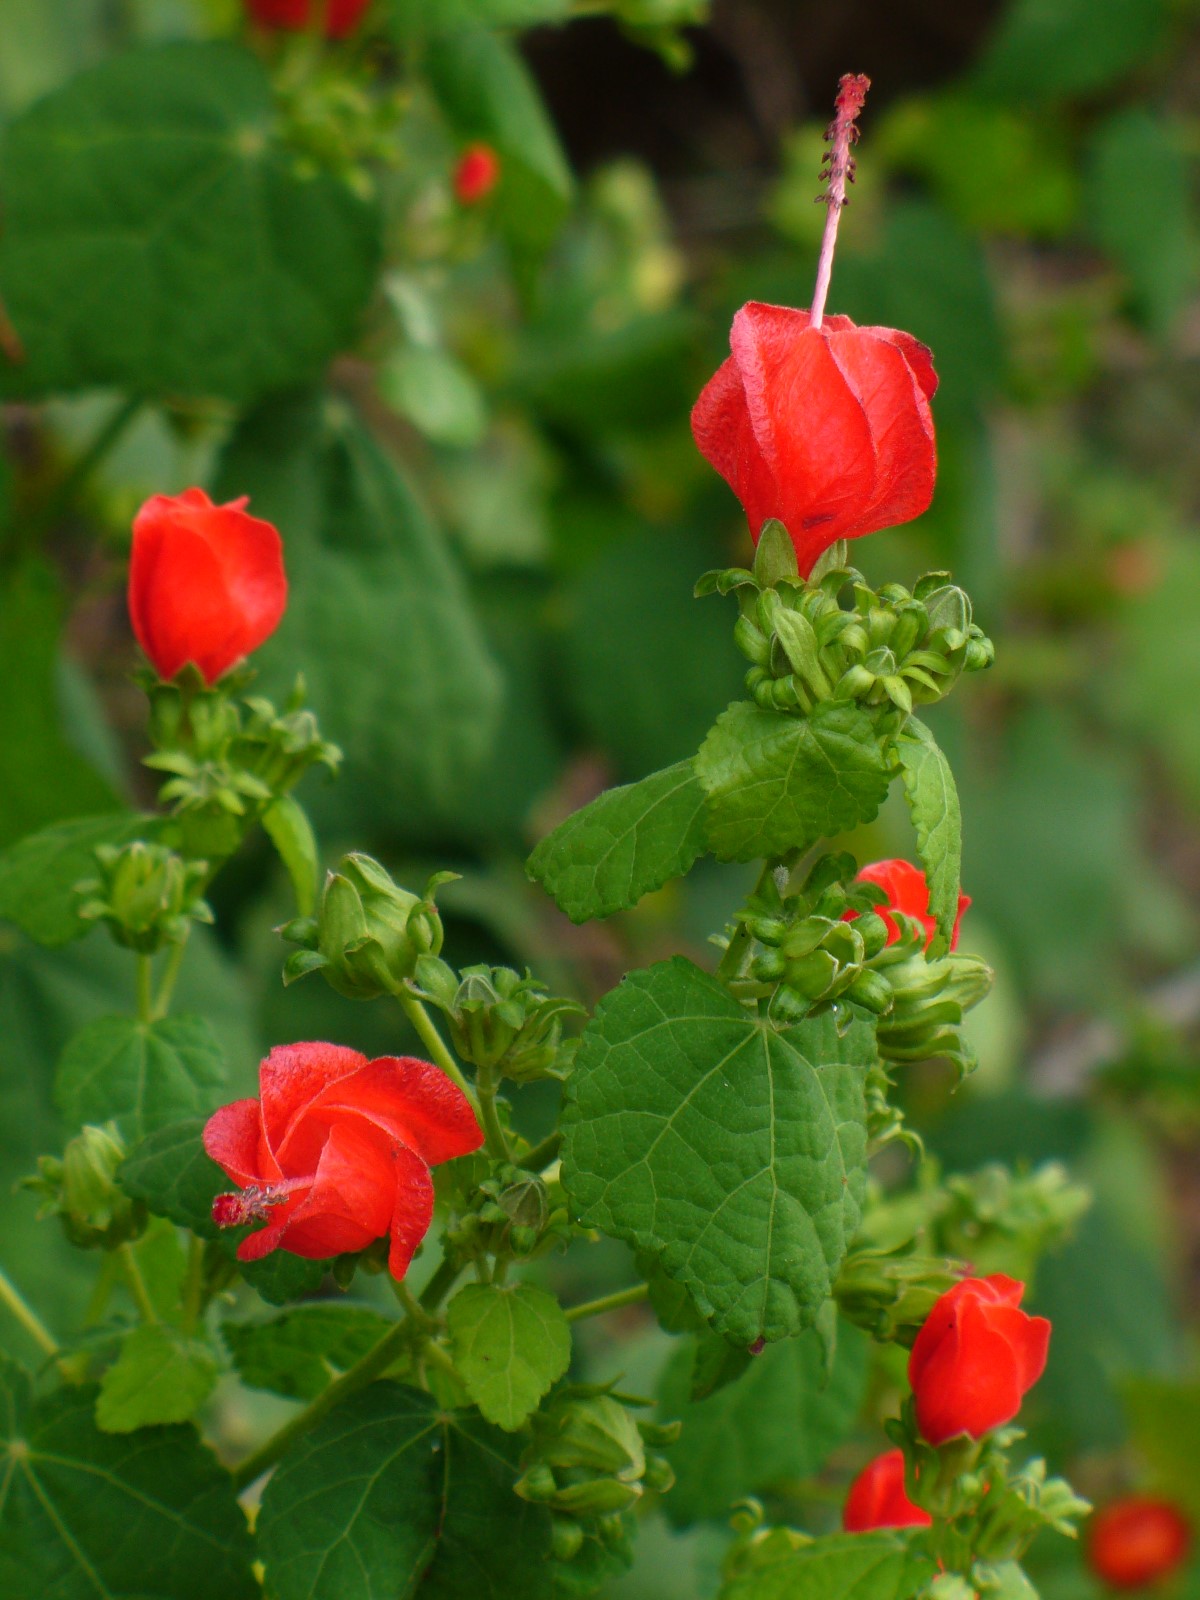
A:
x,y
1139,195
85,1515
372,578
622,845
510,1342
38,875
52,778
390,1495
160,237
933,805
417,19
291,833
159,1376
488,93
279,1277
777,783
841,1566
298,1353
779,1420
140,1075
169,1170
732,1151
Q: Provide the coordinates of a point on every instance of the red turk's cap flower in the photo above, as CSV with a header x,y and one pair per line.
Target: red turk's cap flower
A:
x,y
974,1359
340,17
1137,1541
908,893
206,582
477,174
336,1152
877,1498
827,428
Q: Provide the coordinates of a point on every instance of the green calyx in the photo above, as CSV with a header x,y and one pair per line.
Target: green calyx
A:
x,y
887,648
929,999
500,1022
146,894
589,1464
369,933
227,758
81,1189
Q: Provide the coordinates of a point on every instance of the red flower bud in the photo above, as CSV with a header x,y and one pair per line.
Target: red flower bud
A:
x,y
828,428
974,1358
908,893
337,1152
1137,1541
338,17
206,582
877,1498
477,174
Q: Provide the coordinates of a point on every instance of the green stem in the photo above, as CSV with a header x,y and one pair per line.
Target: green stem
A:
x,y
432,1040
11,1297
609,1302
497,1139
166,987
434,1354
193,1285
364,1371
543,1154
145,988
733,960
101,1290
137,1284
439,1286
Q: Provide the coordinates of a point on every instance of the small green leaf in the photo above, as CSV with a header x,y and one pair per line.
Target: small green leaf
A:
x,y
38,874
841,1566
159,1376
279,1277
170,1172
177,249
730,1150
777,783
510,1342
624,844
488,93
298,1353
778,1420
290,831
390,1495
140,1075
86,1515
933,805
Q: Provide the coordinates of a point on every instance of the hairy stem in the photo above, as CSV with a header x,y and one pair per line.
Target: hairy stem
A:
x,y
193,1285
166,987
439,1286
609,1302
137,1284
364,1371
433,1042
15,1302
145,988
543,1154
497,1139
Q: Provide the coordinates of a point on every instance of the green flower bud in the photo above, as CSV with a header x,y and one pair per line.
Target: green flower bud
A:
x,y
599,1433
81,1189
929,1000
369,933
148,895
499,1021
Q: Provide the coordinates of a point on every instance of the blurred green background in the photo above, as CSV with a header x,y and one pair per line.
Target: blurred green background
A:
x,y
1026,204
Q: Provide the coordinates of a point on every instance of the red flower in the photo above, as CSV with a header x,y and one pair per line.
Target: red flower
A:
x,y
1136,1541
206,582
974,1358
337,1152
826,428
477,174
340,16
908,893
877,1498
